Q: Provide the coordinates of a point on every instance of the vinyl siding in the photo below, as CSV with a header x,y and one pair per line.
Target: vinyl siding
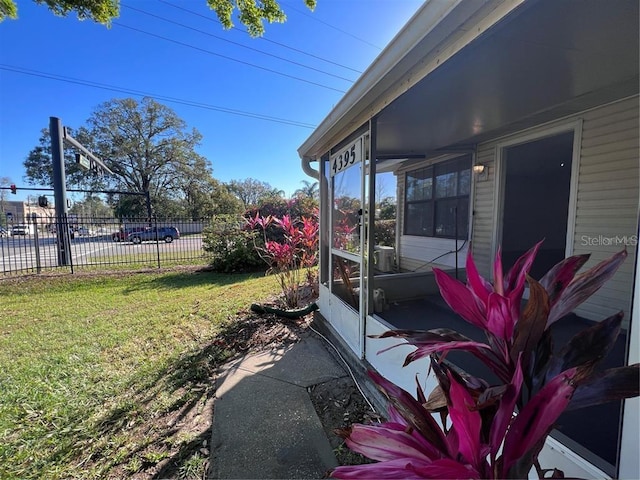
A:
x,y
607,198
483,211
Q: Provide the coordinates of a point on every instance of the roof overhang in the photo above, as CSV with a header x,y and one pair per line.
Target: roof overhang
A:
x,y
463,71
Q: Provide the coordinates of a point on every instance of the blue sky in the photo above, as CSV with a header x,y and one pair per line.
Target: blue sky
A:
x,y
181,56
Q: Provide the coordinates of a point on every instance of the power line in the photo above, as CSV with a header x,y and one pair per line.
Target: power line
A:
x,y
313,17
227,57
238,44
264,39
165,98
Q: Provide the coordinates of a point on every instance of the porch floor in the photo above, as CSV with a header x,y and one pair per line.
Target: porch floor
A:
x,y
598,435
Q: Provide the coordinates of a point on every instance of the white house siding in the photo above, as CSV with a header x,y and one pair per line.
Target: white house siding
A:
x,y
607,199
483,208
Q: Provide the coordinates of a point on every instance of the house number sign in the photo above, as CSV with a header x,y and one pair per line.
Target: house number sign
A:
x,y
347,157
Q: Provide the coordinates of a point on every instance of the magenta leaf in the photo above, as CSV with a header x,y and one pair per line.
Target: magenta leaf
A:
x,y
514,282
442,340
447,468
480,287
505,411
466,422
407,469
400,468
476,348
537,417
461,299
431,341
412,412
585,285
388,442
561,275
500,321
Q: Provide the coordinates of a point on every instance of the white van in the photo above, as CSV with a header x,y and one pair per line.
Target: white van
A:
x,y
22,229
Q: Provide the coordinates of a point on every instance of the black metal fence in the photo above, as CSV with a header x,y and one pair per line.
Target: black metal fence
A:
x,y
36,245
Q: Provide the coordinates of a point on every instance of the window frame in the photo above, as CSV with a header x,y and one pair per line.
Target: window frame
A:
x,y
432,202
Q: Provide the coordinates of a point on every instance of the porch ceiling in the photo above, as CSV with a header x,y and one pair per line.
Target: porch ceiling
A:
x,y
546,60
543,60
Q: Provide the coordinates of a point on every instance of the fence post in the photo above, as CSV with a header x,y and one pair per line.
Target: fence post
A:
x,y
34,221
155,226
4,267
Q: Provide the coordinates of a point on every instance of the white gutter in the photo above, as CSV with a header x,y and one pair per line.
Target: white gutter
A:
x,y
306,168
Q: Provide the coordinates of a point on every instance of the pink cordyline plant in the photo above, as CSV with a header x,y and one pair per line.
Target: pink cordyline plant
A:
x,y
298,250
344,230
485,438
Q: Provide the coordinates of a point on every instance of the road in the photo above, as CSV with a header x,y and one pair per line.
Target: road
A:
x,y
20,253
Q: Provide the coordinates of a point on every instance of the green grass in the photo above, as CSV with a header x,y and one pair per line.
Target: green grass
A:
x,y
148,258
89,363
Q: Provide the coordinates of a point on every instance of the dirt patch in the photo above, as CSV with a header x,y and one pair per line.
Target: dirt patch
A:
x,y
339,404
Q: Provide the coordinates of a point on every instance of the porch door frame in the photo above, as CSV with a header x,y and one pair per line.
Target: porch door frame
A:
x,y
360,258
527,136
628,454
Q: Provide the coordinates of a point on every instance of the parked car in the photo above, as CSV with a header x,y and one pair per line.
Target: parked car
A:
x,y
84,231
168,234
3,232
123,234
21,230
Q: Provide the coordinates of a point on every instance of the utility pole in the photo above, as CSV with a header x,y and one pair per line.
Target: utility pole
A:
x,y
88,160
60,191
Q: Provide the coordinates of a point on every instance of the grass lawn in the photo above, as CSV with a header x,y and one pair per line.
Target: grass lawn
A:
x,y
97,373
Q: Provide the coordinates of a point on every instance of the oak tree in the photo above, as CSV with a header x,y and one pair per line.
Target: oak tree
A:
x,y
39,165
147,147
252,192
251,13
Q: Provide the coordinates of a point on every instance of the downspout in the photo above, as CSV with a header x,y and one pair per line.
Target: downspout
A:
x,y
306,168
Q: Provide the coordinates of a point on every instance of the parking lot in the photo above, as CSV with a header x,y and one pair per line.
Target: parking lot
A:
x,y
33,252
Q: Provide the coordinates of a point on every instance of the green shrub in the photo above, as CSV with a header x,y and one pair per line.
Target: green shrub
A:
x,y
231,246
385,232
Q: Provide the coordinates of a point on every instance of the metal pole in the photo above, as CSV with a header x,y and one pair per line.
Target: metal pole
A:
x,y
148,203
155,227
455,218
59,189
36,241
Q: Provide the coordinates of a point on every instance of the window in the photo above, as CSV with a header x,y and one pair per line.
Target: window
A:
x,y
436,196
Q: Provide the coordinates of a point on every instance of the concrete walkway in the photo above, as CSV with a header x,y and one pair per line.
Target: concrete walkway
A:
x,y
264,424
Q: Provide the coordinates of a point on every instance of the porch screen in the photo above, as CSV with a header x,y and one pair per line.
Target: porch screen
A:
x,y
437,199
347,209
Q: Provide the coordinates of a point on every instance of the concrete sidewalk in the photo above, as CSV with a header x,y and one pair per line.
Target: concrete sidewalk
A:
x,y
264,424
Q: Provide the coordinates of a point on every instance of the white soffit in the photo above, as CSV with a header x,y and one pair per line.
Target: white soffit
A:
x,y
437,31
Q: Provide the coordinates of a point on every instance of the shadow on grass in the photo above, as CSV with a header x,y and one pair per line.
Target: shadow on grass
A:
x,y
161,426
195,278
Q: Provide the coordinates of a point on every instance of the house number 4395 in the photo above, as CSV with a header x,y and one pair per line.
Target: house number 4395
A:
x,y
346,157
